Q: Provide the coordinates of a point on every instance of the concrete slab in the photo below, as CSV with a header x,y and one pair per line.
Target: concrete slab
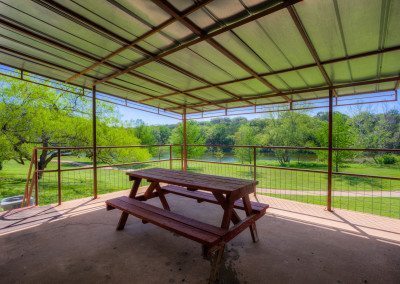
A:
x,y
302,243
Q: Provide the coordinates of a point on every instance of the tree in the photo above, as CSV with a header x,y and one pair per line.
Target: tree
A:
x,y
194,136
290,129
245,136
343,136
161,135
219,154
36,115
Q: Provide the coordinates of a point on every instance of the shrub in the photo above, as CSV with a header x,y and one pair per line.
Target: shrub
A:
x,y
386,159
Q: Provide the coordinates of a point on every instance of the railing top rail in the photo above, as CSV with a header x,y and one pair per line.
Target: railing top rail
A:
x,y
222,146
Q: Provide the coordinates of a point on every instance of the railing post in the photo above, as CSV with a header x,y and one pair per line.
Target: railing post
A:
x,y
59,175
330,146
254,163
255,168
94,137
170,157
184,140
36,178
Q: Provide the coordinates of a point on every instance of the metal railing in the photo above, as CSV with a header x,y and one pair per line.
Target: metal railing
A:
x,y
304,180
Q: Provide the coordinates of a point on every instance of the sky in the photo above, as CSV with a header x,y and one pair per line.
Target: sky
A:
x,y
154,119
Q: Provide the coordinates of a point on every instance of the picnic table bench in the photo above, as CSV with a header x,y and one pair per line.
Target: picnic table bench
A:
x,y
229,193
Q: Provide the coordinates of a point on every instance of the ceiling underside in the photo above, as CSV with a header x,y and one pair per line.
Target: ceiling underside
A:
x,y
207,55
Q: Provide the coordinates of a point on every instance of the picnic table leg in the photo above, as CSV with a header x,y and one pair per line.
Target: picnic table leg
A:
x,y
248,210
234,217
132,194
216,260
162,197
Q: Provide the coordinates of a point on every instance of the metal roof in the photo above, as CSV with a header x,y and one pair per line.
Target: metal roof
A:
x,y
207,55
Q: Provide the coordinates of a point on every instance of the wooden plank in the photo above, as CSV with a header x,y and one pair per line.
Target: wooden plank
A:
x,y
227,203
193,180
163,221
163,200
240,227
132,194
207,197
188,221
247,208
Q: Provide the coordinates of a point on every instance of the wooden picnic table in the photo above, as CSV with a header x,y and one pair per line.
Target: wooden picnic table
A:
x,y
229,193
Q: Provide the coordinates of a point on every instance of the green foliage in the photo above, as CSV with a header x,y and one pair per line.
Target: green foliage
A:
x,y
219,154
386,159
245,135
194,136
344,136
290,129
34,115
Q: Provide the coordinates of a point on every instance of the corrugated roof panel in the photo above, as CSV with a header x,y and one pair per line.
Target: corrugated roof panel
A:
x,y
272,100
237,104
181,4
211,94
248,87
106,15
278,82
156,42
166,74
390,64
145,84
241,51
39,54
312,76
361,26
205,50
135,87
63,54
146,10
131,95
182,99
276,39
225,8
38,68
202,19
199,66
393,34
178,31
364,68
33,15
339,72
321,24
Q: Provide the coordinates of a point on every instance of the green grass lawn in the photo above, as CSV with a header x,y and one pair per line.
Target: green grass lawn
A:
x,y
78,184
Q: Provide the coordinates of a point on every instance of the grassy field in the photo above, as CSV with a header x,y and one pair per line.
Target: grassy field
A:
x,y
288,184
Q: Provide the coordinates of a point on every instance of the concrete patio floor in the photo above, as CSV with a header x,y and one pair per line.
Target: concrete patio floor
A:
x,y
77,242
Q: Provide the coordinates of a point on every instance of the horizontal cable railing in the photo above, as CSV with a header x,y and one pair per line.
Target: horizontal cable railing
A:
x,y
286,172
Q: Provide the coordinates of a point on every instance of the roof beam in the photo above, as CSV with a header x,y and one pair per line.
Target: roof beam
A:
x,y
79,53
70,70
307,41
201,38
71,15
308,90
172,11
297,68
152,31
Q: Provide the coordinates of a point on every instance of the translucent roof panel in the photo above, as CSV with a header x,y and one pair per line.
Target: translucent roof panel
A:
x,y
204,55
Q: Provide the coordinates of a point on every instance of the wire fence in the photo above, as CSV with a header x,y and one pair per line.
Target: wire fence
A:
x,y
292,173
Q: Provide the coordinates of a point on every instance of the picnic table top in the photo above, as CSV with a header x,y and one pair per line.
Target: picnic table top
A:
x,y
193,180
